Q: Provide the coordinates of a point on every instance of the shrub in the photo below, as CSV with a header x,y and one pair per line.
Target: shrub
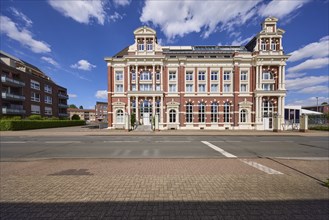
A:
x,y
132,120
13,118
35,117
75,117
6,125
320,127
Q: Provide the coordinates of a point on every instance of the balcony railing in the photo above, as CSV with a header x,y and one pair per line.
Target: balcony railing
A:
x,y
9,96
9,110
62,105
13,82
63,96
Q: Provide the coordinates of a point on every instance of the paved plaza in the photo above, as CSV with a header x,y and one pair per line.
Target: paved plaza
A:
x,y
163,188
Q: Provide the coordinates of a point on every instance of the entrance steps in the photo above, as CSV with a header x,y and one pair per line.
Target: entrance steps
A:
x,y
145,128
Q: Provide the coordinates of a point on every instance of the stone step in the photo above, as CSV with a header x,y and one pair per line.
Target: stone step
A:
x,y
145,128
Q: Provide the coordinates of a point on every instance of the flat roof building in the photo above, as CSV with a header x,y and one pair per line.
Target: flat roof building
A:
x,y
26,90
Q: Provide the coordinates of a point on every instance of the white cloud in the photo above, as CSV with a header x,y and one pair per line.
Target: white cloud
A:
x,y
73,96
81,11
315,90
239,41
83,65
309,81
101,94
22,35
116,16
294,75
318,49
22,17
121,2
279,8
177,18
50,60
317,63
309,101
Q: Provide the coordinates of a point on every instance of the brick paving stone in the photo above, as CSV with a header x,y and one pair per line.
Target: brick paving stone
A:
x,y
159,189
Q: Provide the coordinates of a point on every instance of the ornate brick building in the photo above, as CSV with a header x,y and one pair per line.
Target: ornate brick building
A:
x,y
199,87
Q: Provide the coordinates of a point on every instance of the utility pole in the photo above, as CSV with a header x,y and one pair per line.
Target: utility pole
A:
x,y
317,104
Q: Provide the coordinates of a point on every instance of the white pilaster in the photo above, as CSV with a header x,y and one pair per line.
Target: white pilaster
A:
x,y
137,109
161,73
153,78
257,78
280,78
161,110
153,107
128,78
283,77
137,77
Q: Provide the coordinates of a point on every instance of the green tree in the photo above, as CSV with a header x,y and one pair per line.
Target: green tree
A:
x,y
324,103
72,106
81,107
75,117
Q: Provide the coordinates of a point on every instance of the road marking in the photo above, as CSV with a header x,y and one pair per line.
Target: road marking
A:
x,y
275,141
233,141
120,141
13,142
62,142
172,141
226,154
261,167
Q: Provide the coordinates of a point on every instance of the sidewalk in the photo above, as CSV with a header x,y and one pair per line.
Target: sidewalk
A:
x,y
83,131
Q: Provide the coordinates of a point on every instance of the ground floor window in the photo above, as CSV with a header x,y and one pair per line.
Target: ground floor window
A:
x,y
214,112
189,112
202,107
243,115
227,112
172,116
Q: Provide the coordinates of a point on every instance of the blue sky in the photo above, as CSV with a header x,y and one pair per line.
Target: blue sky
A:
x,y
68,39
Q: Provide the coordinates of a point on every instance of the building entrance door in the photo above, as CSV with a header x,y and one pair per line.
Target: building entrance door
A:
x,y
146,118
267,122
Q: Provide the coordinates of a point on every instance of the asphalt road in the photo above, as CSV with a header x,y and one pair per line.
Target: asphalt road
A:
x,y
20,148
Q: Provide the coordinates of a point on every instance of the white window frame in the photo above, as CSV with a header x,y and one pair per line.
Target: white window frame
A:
x,y
48,99
202,85
202,75
214,74
48,110
227,76
245,86
34,97
212,87
172,76
172,87
48,89
140,46
119,116
117,88
225,85
35,109
189,88
35,85
119,76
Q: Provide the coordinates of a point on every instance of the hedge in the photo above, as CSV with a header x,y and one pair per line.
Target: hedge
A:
x,y
319,127
9,125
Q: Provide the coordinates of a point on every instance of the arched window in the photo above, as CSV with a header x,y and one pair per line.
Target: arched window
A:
x,y
243,115
119,117
172,116
214,112
202,108
189,112
227,112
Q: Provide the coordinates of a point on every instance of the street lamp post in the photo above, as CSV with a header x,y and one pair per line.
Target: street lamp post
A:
x,y
317,104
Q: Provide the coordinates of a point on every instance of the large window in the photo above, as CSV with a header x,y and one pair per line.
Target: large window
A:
x,y
243,116
214,87
133,76
172,88
214,112
273,45
35,97
202,108
202,75
48,111
119,88
189,76
48,89
172,76
243,76
146,75
227,112
202,87
145,87
48,99
243,88
227,75
119,117
214,75
157,76
227,87
268,87
267,75
263,45
189,88
172,116
35,109
119,75
189,112
35,85
149,46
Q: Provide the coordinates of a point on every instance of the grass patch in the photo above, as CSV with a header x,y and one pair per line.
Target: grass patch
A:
x,y
15,125
326,183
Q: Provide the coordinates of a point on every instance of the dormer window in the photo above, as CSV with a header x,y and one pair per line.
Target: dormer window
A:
x,y
273,46
149,46
269,28
267,76
263,45
140,47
